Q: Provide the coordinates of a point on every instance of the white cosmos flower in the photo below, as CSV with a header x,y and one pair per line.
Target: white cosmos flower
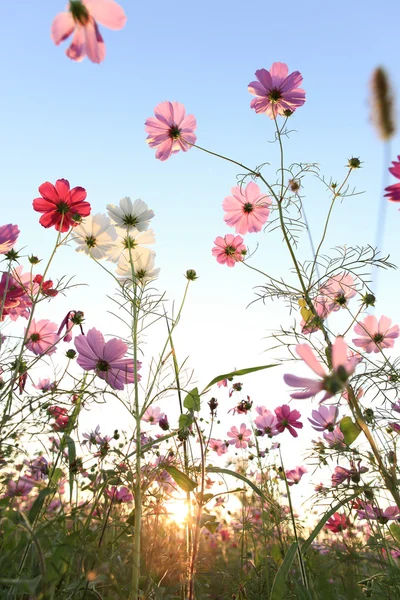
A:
x,y
95,236
143,265
131,214
132,238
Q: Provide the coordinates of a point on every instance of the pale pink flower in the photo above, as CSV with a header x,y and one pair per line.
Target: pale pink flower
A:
x,y
293,476
8,236
45,385
393,191
15,302
105,358
153,415
287,419
276,91
341,474
229,249
367,511
335,438
338,290
42,337
375,335
170,130
22,487
239,437
81,20
266,423
331,383
247,210
119,495
324,418
222,383
217,446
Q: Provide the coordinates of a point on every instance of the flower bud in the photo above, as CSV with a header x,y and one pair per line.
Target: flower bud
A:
x,y
71,353
34,260
191,275
354,163
369,299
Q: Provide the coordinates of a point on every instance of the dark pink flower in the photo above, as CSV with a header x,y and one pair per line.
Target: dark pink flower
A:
x,y
293,476
61,207
8,236
239,437
276,91
247,210
331,383
81,19
324,418
42,337
229,249
375,335
338,522
105,358
287,419
170,130
393,191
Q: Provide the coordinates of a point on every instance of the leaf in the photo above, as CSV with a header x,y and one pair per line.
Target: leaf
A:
x,y
211,526
37,505
25,586
192,400
185,420
276,553
279,585
350,430
395,531
184,482
71,463
238,476
236,374
56,476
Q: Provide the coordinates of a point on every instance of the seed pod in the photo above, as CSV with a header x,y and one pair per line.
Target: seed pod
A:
x,y
382,104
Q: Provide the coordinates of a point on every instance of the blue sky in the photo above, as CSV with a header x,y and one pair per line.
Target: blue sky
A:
x,y
85,122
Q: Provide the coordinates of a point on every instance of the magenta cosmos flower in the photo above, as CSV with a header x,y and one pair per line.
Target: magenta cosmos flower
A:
x,y
170,130
61,206
375,335
337,523
81,20
331,383
42,337
240,437
8,236
247,210
276,91
229,249
287,419
393,191
106,358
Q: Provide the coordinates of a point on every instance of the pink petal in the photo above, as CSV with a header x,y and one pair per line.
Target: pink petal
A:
x,y
107,12
305,352
339,353
279,72
114,350
77,50
62,27
95,47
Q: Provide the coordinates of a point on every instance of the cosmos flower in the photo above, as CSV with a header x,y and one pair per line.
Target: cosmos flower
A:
x,y
324,418
293,476
247,210
130,214
8,236
393,191
229,249
170,130
239,437
95,236
287,419
61,207
338,522
42,337
276,91
375,335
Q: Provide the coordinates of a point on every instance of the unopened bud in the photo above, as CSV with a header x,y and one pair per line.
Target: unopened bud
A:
x,y
354,163
191,275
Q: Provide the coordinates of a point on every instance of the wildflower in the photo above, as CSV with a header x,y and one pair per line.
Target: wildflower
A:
x,y
81,20
239,437
170,130
222,383
93,437
338,522
105,358
382,104
276,91
236,387
246,210
293,476
242,407
393,191
143,269
163,423
45,385
341,474
153,415
119,495
22,487
130,214
331,383
266,423
375,335
324,418
15,302
367,511
42,337
130,244
61,207
46,287
39,468
229,249
287,419
217,446
73,317
338,290
335,438
94,236
8,236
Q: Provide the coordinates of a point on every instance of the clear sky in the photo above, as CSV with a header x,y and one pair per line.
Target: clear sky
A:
x,y
85,122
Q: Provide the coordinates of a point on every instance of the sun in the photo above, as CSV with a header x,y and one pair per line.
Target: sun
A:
x,y
177,510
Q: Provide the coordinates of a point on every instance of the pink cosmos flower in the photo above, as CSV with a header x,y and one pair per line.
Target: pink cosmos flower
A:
x,y
393,191
229,249
8,236
338,522
222,383
324,418
42,337
81,20
239,438
170,130
246,210
153,415
119,495
276,91
106,358
338,290
14,300
218,446
45,385
375,335
293,476
287,419
375,513
396,406
335,438
331,383
341,474
266,423
61,206
22,487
